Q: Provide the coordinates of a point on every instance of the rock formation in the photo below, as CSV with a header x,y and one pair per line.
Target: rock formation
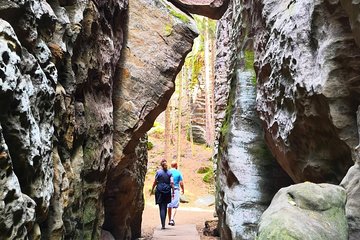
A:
x,y
59,62
208,8
352,187
156,45
306,62
306,211
306,97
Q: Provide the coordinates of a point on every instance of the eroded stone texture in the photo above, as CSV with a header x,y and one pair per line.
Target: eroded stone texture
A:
x,y
352,8
307,67
17,210
306,211
156,45
27,91
81,41
351,183
91,37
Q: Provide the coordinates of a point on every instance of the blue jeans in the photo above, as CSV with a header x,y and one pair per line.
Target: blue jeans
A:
x,y
163,210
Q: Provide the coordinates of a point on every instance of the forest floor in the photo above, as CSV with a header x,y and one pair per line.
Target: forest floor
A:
x,y
199,193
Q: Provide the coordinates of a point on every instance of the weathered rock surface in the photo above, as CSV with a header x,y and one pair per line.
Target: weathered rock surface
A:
x,y
351,183
84,113
306,60
247,175
58,63
61,163
352,8
307,68
306,211
157,43
17,210
209,8
27,92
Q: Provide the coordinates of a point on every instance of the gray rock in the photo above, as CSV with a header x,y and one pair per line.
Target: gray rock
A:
x,y
306,64
351,183
26,99
306,211
17,210
352,8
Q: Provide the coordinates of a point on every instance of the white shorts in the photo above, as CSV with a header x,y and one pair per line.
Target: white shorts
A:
x,y
176,200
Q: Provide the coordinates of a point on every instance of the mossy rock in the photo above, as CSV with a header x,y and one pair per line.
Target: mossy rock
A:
x,y
305,211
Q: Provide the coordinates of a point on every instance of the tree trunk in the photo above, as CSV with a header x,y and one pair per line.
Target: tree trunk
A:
x,y
207,85
167,132
178,144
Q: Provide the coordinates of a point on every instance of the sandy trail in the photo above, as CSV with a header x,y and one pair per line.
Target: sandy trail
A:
x,y
195,188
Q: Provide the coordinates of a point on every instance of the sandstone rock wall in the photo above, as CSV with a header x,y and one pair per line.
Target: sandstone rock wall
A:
x,y
58,63
306,61
156,45
307,71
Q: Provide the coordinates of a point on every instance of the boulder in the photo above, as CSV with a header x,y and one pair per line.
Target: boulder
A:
x,y
351,183
306,211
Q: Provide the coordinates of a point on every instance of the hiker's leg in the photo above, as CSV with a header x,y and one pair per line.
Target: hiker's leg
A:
x,y
169,213
163,207
173,213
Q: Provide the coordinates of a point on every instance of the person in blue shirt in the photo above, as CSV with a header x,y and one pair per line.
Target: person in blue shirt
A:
x,y
164,183
178,183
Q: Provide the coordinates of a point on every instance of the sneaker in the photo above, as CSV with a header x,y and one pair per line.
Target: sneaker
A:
x,y
162,227
172,223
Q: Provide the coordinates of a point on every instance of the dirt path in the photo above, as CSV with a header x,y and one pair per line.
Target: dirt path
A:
x,y
180,232
197,192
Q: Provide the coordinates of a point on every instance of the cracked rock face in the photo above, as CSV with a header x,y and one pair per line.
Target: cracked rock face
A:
x,y
307,69
27,93
57,64
306,61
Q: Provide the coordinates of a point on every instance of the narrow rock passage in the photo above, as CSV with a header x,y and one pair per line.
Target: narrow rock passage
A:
x,y
186,231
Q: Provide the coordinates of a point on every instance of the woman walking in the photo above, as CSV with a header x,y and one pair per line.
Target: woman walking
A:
x,y
164,184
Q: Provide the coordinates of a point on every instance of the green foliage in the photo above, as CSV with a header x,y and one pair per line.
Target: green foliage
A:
x,y
203,170
201,25
184,18
208,172
197,64
249,64
168,29
249,60
157,129
150,145
225,128
209,177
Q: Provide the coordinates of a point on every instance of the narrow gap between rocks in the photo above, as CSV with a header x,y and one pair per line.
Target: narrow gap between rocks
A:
x,y
185,133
